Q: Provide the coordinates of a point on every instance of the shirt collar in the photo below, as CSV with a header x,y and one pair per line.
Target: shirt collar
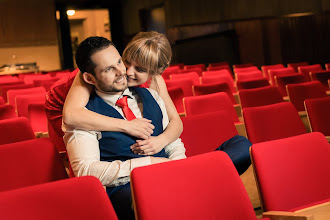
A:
x,y
112,99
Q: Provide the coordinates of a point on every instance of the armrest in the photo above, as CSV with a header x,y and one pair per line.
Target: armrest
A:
x,y
286,98
320,211
280,215
238,109
40,134
304,119
241,130
236,98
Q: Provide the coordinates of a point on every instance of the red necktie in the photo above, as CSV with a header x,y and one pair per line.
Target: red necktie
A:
x,y
122,103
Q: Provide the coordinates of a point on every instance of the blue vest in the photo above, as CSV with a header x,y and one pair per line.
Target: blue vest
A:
x,y
116,145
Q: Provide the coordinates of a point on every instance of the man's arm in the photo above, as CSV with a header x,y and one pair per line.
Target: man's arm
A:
x,y
83,151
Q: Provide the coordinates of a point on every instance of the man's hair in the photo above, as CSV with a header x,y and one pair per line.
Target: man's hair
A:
x,y
86,49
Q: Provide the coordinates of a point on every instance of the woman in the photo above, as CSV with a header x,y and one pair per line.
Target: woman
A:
x,y
145,57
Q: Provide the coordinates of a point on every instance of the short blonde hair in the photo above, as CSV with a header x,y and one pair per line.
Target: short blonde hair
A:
x,y
149,50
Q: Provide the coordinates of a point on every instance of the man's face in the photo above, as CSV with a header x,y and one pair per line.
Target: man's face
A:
x,y
110,71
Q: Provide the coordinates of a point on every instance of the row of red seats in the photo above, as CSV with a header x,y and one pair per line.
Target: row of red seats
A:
x,y
249,72
281,166
285,170
24,96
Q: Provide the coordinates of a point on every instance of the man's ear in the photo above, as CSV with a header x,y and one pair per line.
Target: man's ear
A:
x,y
89,78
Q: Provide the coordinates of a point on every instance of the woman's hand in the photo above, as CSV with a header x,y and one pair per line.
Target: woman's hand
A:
x,y
149,146
140,128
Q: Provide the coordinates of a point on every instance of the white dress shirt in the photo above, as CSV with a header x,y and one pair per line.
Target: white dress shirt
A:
x,y
83,146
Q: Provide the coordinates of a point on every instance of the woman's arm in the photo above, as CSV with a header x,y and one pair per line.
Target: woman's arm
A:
x,y
174,129
76,115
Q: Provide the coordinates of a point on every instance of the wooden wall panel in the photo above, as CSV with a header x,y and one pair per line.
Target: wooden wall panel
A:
x,y
27,23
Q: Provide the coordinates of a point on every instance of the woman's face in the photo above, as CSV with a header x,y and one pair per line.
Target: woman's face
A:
x,y
136,75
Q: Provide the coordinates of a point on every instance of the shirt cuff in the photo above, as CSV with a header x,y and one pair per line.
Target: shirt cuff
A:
x,y
139,162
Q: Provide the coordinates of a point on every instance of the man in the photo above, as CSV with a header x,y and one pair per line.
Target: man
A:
x,y
107,155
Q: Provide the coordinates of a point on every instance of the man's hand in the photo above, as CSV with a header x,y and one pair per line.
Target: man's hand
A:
x,y
155,160
149,146
140,128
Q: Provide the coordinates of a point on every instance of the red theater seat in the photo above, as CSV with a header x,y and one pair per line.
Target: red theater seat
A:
x,y
213,88
191,75
7,112
292,172
176,95
266,68
296,65
15,130
283,80
38,118
306,69
220,101
270,122
298,93
215,127
252,84
272,73
185,84
322,77
28,163
259,96
202,66
80,198
223,195
318,111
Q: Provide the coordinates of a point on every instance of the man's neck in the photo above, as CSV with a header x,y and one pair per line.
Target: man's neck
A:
x,y
111,98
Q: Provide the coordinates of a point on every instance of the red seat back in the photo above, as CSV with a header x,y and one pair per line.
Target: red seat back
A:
x,y
213,88
202,66
30,162
306,69
13,93
298,93
4,89
220,101
318,114
322,77
198,70
185,84
23,101
215,127
2,101
7,112
266,68
15,130
272,73
176,95
75,198
37,117
190,75
249,75
170,70
259,96
292,172
283,80
179,179
218,78
296,65
270,122
251,84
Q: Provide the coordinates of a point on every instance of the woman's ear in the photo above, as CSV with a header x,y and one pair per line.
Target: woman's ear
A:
x,y
89,78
